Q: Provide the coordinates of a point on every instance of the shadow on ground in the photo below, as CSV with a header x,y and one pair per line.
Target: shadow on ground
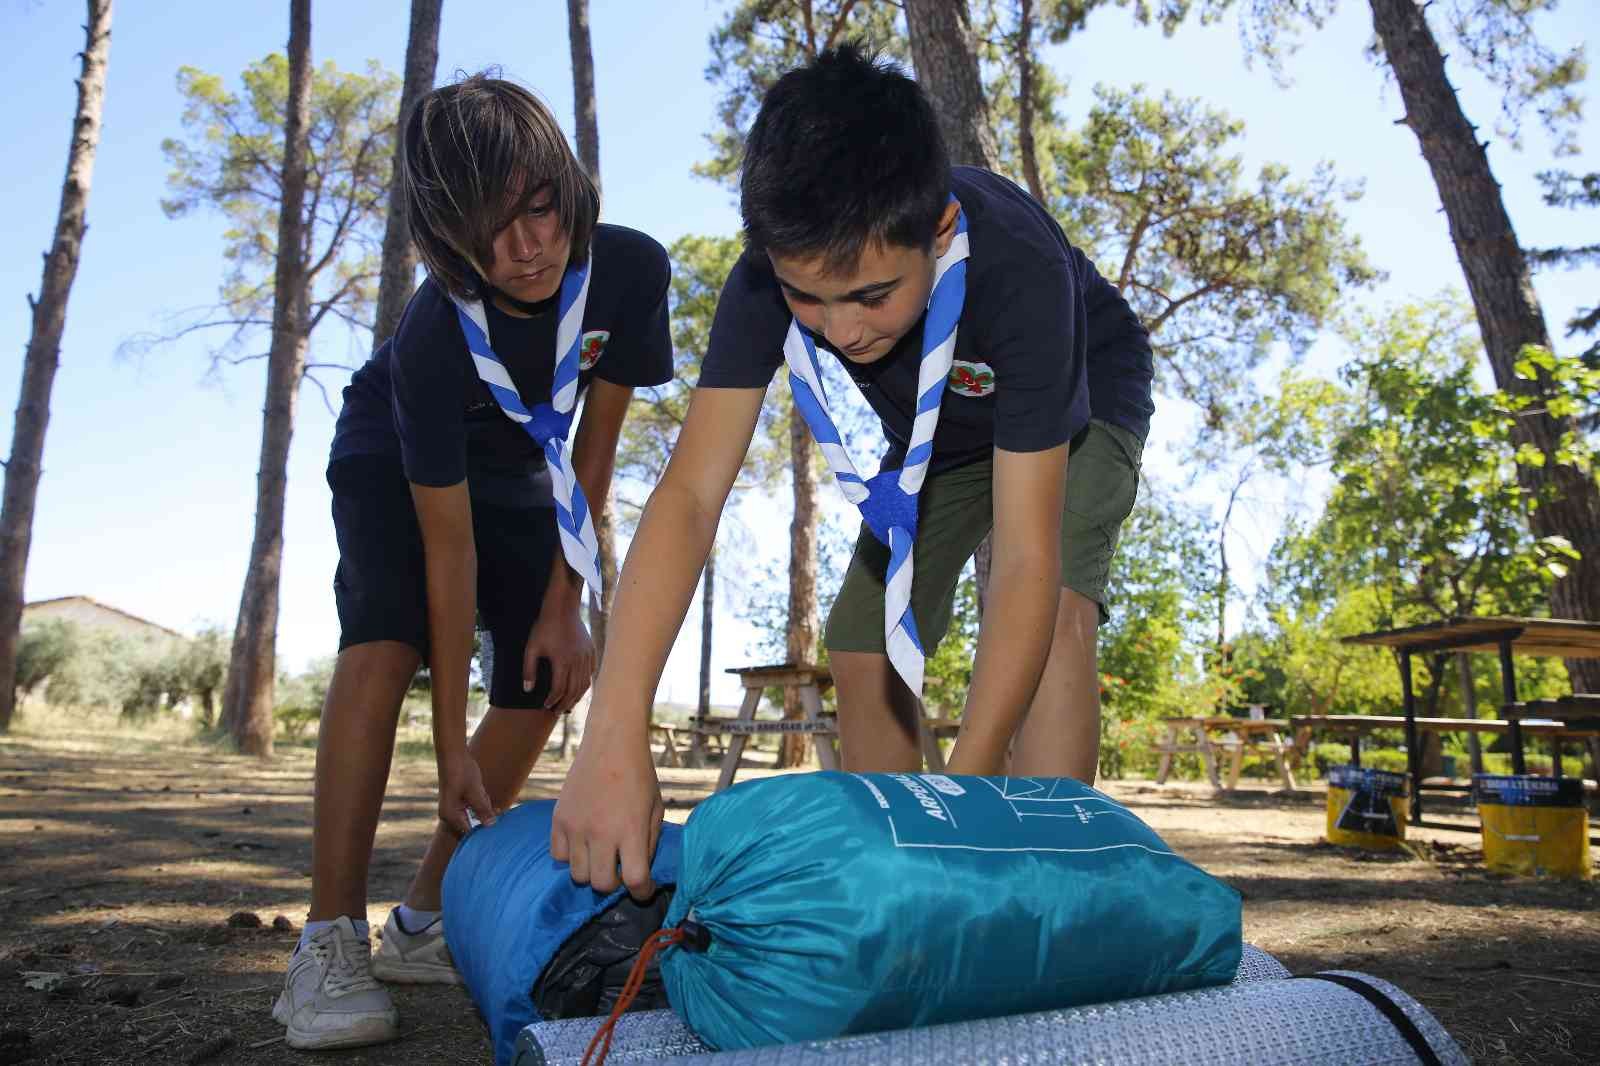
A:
x,y
141,883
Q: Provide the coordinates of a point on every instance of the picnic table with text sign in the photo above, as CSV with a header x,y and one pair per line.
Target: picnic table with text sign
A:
x,y
1559,637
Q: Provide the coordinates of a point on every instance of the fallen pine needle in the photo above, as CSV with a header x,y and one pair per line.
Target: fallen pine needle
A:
x,y
1558,980
264,1043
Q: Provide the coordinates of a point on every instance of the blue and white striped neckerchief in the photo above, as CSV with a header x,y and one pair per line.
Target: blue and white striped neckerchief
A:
x,y
548,423
888,500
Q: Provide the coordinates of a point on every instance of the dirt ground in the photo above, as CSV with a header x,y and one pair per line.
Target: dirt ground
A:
x,y
134,869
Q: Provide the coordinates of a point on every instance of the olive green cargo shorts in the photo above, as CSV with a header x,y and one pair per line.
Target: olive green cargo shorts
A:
x,y
955,513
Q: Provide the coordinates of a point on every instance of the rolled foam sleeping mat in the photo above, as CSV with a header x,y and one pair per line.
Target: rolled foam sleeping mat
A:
x,y
1082,1034
650,1036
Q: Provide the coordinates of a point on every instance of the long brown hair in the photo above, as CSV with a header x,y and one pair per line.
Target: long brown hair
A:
x,y
475,155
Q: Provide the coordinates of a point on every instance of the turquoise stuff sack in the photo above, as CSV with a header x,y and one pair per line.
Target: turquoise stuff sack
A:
x,y
824,904
511,914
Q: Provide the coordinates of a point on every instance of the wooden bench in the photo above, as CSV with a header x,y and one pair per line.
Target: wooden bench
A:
x,y
675,740
806,679
1237,734
1579,717
1358,725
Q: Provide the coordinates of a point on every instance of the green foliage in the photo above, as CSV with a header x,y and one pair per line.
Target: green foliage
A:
x,y
299,699
1564,189
1568,388
230,160
1305,667
767,605
1425,520
42,650
947,673
760,40
1496,37
1425,507
699,267
204,669
1220,268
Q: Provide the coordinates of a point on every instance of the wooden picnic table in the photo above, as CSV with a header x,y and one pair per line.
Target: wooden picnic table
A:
x,y
1578,715
675,741
1236,735
808,680
1358,725
1562,637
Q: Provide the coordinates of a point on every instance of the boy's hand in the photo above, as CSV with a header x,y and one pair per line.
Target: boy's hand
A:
x,y
560,636
461,788
609,815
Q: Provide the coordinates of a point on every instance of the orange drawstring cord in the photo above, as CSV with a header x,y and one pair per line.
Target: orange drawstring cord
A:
x,y
659,940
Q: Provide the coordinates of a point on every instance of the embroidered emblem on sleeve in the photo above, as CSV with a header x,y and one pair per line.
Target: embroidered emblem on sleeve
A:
x,y
594,345
971,379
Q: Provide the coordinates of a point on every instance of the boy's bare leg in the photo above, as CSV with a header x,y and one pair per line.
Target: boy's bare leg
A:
x,y
505,746
355,743
877,715
1061,735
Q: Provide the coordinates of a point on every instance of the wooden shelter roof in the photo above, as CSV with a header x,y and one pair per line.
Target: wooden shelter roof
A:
x,y
1562,637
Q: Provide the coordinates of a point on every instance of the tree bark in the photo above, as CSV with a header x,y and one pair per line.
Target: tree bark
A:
x,y
1431,743
399,271
946,61
1025,93
588,137
1508,310
44,349
588,128
708,599
800,642
1469,708
247,705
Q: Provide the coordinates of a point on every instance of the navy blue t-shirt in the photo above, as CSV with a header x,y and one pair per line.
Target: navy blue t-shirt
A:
x,y
1043,344
419,397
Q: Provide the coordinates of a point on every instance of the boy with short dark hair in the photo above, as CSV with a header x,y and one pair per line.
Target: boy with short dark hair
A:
x,y
990,349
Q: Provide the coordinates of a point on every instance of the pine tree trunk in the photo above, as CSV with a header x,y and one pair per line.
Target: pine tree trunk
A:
x,y
1508,310
1025,93
800,642
44,349
247,709
588,128
947,67
982,563
588,137
1431,743
946,61
399,271
1469,708
708,599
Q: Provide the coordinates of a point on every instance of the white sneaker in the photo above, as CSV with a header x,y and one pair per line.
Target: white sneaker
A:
x,y
330,998
414,958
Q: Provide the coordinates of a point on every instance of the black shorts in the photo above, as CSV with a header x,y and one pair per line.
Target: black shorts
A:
x,y
381,583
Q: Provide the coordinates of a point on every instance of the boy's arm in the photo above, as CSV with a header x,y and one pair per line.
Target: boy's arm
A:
x,y
1020,611
445,516
609,813
559,634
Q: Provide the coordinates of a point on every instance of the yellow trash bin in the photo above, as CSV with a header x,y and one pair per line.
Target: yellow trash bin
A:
x,y
1535,826
1366,808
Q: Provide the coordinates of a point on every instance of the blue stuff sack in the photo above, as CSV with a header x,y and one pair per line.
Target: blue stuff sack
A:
x,y
850,903
509,907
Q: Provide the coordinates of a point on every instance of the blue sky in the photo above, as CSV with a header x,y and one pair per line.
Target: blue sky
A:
x,y
147,500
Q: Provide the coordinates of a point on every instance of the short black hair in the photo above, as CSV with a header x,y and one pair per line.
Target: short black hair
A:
x,y
845,152
475,154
